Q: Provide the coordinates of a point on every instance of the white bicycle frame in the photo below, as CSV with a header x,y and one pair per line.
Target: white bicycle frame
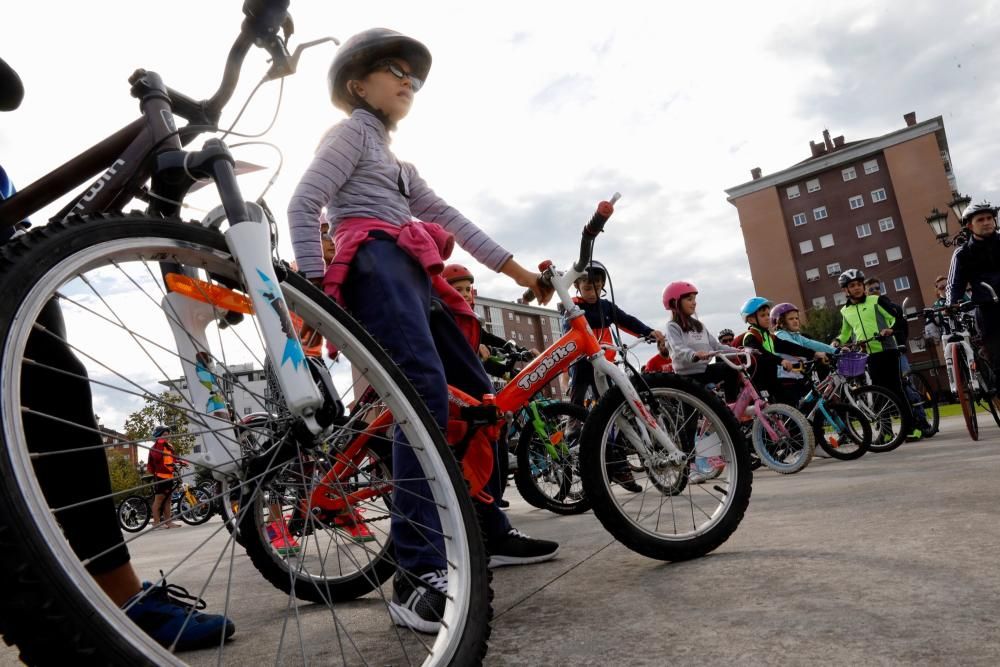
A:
x,y
607,373
964,339
250,243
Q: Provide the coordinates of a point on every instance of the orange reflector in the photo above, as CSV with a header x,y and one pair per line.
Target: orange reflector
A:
x,y
556,437
216,295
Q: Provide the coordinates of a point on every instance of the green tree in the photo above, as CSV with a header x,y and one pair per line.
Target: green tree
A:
x,y
162,409
125,477
822,324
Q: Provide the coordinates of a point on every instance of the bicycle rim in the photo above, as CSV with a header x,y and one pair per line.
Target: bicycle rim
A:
x,y
791,447
668,519
105,276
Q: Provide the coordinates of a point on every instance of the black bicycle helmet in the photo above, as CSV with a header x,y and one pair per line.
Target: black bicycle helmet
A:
x,y
160,430
595,271
364,49
726,332
975,209
850,275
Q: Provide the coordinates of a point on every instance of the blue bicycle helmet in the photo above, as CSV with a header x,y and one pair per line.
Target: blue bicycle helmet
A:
x,y
160,430
752,305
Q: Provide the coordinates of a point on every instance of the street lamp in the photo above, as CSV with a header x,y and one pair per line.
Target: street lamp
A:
x,y
938,221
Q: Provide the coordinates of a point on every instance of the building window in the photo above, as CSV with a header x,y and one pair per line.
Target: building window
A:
x,y
871,166
902,283
819,302
878,195
805,247
864,230
840,298
246,411
819,213
812,275
894,254
826,240
885,224
856,201
848,174
799,219
792,192
833,269
531,337
517,318
510,315
871,259
813,185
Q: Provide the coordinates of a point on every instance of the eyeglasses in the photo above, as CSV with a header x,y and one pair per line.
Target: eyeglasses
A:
x,y
726,340
391,67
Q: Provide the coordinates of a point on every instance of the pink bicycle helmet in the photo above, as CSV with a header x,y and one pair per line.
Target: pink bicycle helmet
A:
x,y
673,293
782,309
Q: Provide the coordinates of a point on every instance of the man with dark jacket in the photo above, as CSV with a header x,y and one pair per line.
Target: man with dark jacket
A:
x,y
974,263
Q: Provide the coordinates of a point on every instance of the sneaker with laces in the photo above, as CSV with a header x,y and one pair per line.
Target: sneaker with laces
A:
x,y
418,600
626,480
164,613
516,548
354,525
705,469
281,540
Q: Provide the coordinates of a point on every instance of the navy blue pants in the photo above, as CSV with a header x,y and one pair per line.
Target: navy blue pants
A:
x,y
389,293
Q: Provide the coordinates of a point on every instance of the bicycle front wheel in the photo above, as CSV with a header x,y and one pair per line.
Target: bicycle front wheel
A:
x,y
552,481
196,510
848,436
885,414
963,390
783,439
118,356
663,518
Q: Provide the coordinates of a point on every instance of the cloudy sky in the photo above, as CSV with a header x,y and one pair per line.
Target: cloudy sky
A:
x,y
533,112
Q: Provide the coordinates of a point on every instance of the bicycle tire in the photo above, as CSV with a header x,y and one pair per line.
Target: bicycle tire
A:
x,y
626,516
932,412
543,482
882,410
795,446
987,394
200,513
54,611
856,431
134,513
963,391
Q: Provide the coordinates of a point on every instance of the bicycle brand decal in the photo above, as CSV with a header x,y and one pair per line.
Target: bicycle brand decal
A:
x,y
99,185
545,364
168,120
293,351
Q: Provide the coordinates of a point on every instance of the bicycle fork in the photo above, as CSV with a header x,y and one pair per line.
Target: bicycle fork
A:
x,y
647,430
249,240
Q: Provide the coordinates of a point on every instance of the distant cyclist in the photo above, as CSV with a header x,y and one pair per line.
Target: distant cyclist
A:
x,y
975,262
866,318
726,336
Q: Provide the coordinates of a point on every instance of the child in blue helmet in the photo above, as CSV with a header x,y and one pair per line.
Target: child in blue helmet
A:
x,y
772,352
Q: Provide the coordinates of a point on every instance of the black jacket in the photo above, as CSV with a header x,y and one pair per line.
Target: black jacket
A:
x,y
973,263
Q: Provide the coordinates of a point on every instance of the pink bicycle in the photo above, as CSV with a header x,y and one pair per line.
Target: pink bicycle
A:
x,y
781,436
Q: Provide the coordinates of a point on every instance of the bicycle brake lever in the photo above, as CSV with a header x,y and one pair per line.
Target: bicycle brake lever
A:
x,y
289,63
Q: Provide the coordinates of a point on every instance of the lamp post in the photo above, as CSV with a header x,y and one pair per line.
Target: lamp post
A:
x,y
938,221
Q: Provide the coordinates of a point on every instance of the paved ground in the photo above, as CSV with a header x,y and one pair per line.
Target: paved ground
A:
x,y
891,559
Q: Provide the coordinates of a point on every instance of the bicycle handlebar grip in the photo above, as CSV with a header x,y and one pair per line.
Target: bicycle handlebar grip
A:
x,y
265,16
601,215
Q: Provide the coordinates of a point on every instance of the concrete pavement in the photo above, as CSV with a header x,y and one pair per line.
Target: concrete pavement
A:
x,y
890,559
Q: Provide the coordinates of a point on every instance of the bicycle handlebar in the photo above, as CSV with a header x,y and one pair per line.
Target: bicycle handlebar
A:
x,y
260,27
590,231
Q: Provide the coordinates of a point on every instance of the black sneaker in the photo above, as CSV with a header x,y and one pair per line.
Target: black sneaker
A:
x,y
503,504
625,479
516,548
418,600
